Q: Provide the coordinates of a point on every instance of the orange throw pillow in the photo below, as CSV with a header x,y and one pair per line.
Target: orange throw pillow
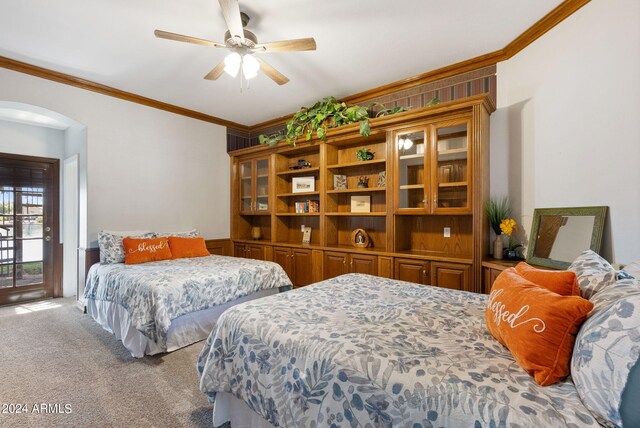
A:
x,y
537,325
145,250
563,282
188,247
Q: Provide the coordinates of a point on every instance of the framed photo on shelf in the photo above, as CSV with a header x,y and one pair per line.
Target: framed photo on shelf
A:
x,y
339,182
360,203
303,184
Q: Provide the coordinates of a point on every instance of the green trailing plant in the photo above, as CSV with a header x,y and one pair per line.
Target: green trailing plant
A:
x,y
326,114
364,154
497,210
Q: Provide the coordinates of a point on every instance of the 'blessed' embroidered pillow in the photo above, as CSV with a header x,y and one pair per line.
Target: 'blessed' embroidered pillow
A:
x,y
145,250
537,325
563,282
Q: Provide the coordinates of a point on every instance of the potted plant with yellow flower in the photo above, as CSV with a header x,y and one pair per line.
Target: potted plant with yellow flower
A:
x,y
508,227
497,210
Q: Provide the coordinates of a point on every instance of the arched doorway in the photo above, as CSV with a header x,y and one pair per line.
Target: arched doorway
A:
x,y
34,131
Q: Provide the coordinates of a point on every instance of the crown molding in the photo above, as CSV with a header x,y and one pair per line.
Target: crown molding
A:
x,y
546,23
67,79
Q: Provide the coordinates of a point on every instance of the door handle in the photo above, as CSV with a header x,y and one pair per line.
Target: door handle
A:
x,y
47,238
47,229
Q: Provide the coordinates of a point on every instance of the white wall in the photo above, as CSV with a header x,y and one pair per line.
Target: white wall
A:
x,y
23,139
146,168
566,130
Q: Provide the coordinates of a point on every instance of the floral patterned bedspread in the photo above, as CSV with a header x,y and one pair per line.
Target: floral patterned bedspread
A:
x,y
156,293
361,351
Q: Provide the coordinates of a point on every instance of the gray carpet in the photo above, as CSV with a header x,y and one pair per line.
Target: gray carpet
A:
x,y
53,353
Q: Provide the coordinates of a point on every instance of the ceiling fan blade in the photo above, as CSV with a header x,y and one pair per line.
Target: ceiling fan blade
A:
x,y
231,13
187,39
308,44
216,72
272,73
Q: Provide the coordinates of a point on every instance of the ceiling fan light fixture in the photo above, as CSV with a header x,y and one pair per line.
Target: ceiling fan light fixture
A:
x,y
250,66
232,64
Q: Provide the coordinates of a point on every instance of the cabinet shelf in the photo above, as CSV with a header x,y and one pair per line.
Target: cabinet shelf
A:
x,y
411,186
264,213
298,171
284,195
452,151
357,164
406,157
370,214
296,214
359,190
453,184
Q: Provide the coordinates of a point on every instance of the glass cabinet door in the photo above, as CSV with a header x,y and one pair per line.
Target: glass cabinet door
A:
x,y
450,170
262,185
246,187
411,151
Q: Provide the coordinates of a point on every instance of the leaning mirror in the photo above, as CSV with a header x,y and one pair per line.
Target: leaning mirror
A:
x,y
559,235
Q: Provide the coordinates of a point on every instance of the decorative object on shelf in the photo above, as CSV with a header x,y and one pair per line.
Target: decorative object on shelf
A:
x,y
497,210
360,238
508,226
364,154
302,164
300,207
498,247
420,149
306,234
363,182
303,184
382,179
329,113
339,182
261,206
360,204
314,206
256,233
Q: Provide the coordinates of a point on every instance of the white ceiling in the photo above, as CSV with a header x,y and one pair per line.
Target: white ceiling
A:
x,y
361,45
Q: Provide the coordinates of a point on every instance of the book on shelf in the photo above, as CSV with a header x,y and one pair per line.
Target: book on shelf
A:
x,y
308,206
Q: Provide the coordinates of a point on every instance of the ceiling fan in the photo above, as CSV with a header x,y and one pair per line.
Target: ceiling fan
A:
x,y
243,44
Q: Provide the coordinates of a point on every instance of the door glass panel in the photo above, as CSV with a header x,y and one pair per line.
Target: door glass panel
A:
x,y
21,236
452,149
411,155
28,273
6,275
245,186
262,185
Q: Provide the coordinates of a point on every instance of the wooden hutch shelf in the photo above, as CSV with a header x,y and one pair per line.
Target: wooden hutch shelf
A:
x,y
425,194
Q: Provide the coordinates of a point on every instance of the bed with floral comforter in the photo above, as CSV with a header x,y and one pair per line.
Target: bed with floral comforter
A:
x,y
359,351
155,294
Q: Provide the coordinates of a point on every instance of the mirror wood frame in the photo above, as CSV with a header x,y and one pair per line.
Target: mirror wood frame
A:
x,y
599,214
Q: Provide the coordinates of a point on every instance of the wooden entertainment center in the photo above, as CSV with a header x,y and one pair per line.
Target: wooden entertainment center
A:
x,y
423,208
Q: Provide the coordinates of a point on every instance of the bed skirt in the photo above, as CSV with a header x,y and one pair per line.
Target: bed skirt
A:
x,y
184,330
228,408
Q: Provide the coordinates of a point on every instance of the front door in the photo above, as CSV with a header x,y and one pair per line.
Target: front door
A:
x,y
28,228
